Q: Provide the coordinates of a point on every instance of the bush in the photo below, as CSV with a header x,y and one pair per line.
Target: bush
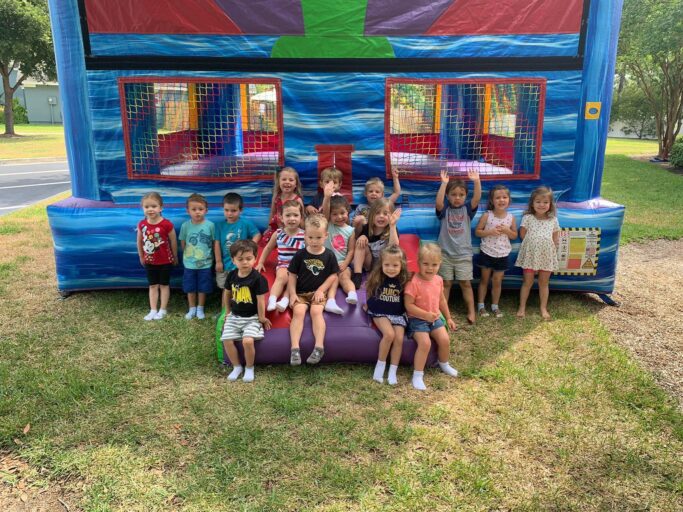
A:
x,y
20,114
676,154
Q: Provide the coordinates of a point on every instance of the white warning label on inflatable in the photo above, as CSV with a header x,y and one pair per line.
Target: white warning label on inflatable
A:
x,y
578,251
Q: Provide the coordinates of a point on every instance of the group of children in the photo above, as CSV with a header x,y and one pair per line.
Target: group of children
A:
x,y
319,248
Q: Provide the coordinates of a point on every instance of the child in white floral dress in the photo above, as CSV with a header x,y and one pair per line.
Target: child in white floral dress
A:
x,y
539,232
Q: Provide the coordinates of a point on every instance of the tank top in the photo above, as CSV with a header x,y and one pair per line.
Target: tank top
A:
x,y
496,246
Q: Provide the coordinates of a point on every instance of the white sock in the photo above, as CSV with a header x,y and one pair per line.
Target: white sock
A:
x,y
160,314
331,306
418,383
150,315
235,373
282,304
271,303
494,307
379,371
391,377
192,312
200,312
448,369
248,374
480,305
352,297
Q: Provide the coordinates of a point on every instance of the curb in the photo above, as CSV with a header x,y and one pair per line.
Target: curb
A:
x,y
44,160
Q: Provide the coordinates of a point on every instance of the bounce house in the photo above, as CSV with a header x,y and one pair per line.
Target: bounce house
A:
x,y
211,96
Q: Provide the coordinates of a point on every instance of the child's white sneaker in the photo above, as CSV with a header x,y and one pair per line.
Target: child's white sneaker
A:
x,y
200,313
150,316
161,314
191,314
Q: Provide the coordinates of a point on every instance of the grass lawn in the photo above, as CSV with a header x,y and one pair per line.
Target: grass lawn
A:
x,y
131,415
36,141
630,147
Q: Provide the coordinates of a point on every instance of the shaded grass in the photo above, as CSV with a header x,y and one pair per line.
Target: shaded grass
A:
x,y
652,196
35,141
133,415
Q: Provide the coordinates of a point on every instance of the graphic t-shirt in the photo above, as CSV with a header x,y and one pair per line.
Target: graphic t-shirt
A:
x,y
312,269
198,252
228,233
388,299
317,201
455,235
155,244
244,292
362,209
338,240
375,242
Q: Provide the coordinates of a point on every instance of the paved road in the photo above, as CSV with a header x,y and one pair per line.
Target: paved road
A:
x,y
26,183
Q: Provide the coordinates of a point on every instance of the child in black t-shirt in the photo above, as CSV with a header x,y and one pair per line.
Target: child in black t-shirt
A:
x,y
311,273
245,312
385,306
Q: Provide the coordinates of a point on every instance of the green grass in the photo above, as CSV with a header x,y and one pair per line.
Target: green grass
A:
x,y
630,147
130,415
35,141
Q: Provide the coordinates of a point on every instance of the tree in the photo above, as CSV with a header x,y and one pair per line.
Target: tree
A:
x,y
631,108
25,45
651,53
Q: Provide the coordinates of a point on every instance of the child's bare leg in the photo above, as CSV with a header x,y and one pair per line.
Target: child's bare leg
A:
x,y
496,287
249,356
443,345
544,291
483,285
424,343
387,330
233,356
164,293
396,349
318,324
201,299
279,285
468,297
153,296
192,302
367,261
224,299
296,326
447,289
347,285
358,259
331,305
527,283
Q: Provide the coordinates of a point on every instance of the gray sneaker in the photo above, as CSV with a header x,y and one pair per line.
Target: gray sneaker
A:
x,y
295,357
316,355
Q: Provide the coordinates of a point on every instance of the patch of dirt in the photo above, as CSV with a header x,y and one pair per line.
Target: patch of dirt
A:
x,y
20,493
649,322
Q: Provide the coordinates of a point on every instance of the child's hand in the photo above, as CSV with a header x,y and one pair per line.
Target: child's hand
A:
x,y
359,220
473,174
265,323
293,299
260,267
219,266
451,324
343,266
395,215
142,261
445,177
319,297
310,210
395,172
433,317
329,189
362,242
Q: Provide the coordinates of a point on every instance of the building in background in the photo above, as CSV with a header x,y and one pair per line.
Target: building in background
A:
x,y
40,99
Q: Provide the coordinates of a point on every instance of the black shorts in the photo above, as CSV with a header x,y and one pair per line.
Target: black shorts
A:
x,y
159,274
495,264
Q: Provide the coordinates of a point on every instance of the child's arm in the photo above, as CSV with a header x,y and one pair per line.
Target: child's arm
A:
x,y
261,306
397,186
256,233
327,195
138,242
218,256
417,312
291,288
320,292
443,307
351,247
511,232
480,231
260,265
393,220
173,239
441,194
228,296
556,233
476,194
522,230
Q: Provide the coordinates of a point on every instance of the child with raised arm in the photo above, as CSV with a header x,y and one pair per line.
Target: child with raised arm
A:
x,y
245,310
374,236
330,177
385,306
455,235
496,228
196,238
539,231
233,228
374,190
288,240
341,240
286,187
158,251
425,303
311,273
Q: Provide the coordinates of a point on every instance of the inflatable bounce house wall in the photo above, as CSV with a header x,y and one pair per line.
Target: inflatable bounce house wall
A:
x,y
212,96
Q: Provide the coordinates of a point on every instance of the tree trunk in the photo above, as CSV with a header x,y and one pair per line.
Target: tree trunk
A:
x,y
9,112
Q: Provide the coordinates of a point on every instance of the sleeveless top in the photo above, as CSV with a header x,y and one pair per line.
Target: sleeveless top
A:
x,y
497,246
288,246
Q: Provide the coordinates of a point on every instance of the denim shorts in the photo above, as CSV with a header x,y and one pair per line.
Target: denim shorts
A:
x,y
419,325
197,280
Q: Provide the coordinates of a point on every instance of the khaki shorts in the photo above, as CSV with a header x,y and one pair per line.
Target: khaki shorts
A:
x,y
221,277
307,298
456,269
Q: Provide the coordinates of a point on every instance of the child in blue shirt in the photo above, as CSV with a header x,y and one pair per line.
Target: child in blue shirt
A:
x,y
227,233
196,238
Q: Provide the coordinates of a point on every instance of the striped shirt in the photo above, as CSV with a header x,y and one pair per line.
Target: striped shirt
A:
x,y
287,246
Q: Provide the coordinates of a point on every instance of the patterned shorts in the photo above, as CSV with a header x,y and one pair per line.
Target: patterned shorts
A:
x,y
238,327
